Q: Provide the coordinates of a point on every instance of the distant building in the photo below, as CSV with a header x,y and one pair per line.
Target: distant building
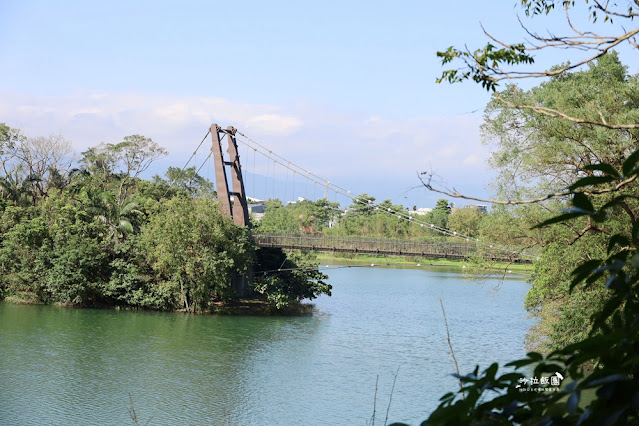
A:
x,y
482,208
299,200
257,210
422,211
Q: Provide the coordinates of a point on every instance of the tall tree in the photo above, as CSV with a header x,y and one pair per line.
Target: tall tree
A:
x,y
118,218
572,141
124,161
194,248
465,221
537,155
188,180
46,161
440,214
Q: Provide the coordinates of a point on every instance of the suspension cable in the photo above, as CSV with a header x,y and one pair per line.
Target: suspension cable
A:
x,y
289,165
187,163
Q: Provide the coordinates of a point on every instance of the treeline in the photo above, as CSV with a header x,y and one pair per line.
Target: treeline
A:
x,y
92,232
367,218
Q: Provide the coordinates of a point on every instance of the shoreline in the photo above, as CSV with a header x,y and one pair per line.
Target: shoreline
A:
x,y
240,307
421,263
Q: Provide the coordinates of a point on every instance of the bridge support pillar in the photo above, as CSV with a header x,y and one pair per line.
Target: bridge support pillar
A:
x,y
238,208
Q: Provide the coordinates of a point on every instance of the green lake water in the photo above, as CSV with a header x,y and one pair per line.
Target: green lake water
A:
x,y
83,366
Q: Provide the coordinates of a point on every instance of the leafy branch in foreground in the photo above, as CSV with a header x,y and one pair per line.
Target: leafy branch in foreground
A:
x,y
605,363
486,65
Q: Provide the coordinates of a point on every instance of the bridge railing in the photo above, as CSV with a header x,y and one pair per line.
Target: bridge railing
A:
x,y
321,242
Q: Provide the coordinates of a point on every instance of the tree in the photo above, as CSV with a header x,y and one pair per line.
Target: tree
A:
x,y
46,161
485,65
17,187
465,221
604,361
188,180
549,155
325,212
117,218
287,277
362,205
597,201
124,161
277,218
10,139
195,250
29,167
440,214
303,216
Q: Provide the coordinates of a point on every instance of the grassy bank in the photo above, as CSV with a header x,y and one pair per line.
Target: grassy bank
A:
x,y
412,261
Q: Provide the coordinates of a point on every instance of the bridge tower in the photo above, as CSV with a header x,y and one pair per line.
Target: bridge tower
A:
x,y
238,210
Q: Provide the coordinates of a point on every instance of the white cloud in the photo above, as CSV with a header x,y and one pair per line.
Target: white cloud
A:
x,y
273,124
471,160
349,148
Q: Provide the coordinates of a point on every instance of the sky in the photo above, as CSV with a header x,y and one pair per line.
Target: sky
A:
x,y
344,88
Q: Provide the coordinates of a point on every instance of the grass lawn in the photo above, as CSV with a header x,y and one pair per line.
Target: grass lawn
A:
x,y
416,262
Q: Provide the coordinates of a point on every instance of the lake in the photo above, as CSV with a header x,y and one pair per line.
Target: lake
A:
x,y
85,366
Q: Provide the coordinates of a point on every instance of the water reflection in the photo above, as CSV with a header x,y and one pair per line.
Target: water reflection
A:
x,y
80,366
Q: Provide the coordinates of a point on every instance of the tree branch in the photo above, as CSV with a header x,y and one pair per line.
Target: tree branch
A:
x,y
550,112
455,194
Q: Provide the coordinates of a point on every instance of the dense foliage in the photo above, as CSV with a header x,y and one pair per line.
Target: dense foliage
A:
x,y
602,362
568,151
537,155
96,234
366,218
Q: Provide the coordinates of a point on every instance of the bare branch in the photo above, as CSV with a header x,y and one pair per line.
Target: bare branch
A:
x,y
605,9
390,399
601,44
588,228
550,112
450,345
455,194
507,46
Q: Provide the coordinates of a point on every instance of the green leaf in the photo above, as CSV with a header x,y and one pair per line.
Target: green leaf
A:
x,y
617,200
581,201
612,418
615,265
521,362
584,416
630,164
491,371
561,218
535,356
603,167
613,283
591,181
617,239
573,402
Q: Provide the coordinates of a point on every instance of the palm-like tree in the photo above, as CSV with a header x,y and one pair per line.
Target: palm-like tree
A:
x,y
105,208
16,188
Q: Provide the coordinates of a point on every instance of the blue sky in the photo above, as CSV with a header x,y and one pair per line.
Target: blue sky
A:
x,y
346,89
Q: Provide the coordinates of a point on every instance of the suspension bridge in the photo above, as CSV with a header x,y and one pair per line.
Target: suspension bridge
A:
x,y
233,202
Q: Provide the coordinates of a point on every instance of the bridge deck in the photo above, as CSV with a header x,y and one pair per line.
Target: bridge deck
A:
x,y
315,242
